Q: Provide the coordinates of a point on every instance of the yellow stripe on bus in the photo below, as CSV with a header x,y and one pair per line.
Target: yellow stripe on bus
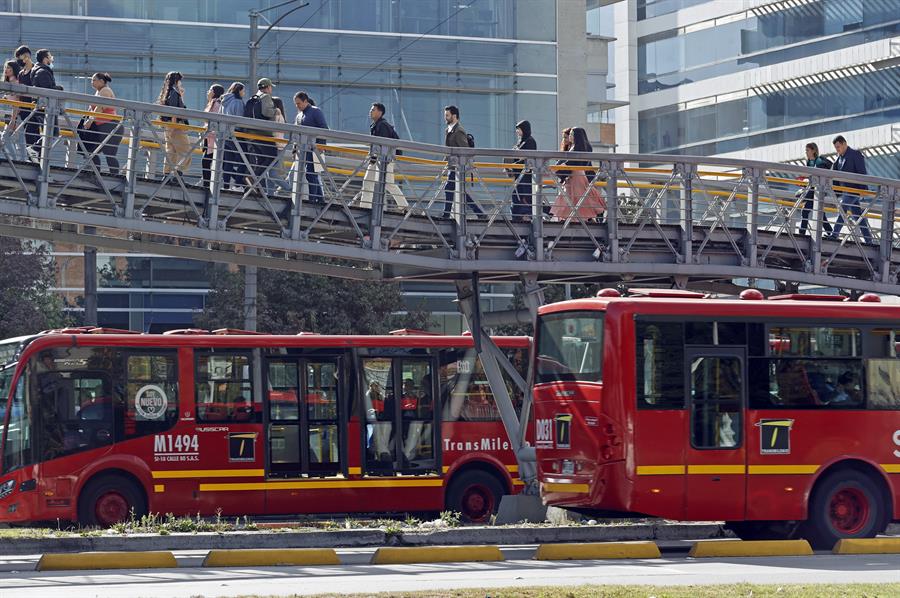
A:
x,y
571,488
890,467
783,469
208,473
227,487
660,469
716,469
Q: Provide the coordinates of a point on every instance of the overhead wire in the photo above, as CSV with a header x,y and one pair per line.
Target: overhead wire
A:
x,y
461,7
291,36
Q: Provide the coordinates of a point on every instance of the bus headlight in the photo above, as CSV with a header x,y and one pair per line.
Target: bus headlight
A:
x,y
6,488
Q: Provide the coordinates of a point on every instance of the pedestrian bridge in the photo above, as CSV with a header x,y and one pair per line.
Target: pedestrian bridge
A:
x,y
705,223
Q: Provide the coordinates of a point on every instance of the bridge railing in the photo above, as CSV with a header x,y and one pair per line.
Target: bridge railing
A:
x,y
414,205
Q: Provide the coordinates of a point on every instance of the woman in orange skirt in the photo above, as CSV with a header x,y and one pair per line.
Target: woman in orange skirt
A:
x,y
576,190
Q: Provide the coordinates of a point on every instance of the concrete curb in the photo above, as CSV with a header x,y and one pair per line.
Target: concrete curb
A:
x,y
463,536
106,560
740,548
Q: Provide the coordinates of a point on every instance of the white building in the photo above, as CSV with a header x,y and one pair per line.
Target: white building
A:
x,y
759,79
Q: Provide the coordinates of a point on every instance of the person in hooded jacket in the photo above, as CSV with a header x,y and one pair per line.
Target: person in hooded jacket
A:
x,y
521,196
232,166
41,76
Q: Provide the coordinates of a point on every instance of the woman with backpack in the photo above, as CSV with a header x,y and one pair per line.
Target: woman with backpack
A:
x,y
214,105
178,146
577,192
813,160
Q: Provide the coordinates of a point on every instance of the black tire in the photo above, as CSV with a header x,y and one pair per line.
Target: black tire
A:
x,y
110,499
475,495
845,504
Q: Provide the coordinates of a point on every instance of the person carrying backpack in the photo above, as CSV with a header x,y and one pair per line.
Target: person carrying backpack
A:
x,y
456,136
261,153
380,127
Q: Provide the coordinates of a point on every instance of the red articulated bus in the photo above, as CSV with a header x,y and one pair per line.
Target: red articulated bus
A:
x,y
780,416
99,423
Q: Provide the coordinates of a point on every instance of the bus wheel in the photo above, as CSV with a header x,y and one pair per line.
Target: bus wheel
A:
x,y
845,504
475,495
108,500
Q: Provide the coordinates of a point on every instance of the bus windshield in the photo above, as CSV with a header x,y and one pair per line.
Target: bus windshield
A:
x,y
570,347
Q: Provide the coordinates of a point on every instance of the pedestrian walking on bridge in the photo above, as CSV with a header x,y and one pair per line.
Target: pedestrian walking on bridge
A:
x,y
177,144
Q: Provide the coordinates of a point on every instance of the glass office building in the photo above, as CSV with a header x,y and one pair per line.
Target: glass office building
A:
x,y
495,59
719,78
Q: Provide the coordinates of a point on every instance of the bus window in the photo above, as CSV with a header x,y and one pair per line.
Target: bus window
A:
x,y
379,405
884,383
466,394
151,393
660,358
224,388
799,383
715,333
75,401
18,449
887,342
814,341
716,397
570,347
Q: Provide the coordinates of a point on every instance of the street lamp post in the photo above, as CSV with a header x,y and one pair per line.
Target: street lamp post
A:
x,y
250,272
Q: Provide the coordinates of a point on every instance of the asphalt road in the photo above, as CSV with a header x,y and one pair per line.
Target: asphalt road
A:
x,y
18,580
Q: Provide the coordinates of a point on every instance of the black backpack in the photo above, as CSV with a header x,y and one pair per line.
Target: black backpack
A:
x,y
253,108
471,139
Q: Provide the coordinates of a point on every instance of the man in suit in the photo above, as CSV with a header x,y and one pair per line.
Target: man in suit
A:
x,y
850,160
455,136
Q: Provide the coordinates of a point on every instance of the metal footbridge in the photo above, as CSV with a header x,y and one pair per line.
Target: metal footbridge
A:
x,y
349,205
685,221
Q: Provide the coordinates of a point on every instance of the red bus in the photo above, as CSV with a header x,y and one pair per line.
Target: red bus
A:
x,y
98,423
780,417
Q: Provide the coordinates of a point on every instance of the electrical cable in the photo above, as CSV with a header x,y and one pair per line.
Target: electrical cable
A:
x,y
291,36
461,8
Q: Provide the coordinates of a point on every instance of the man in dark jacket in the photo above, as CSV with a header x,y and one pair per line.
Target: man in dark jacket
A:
x,y
380,127
31,127
850,160
455,137
521,197
41,76
309,115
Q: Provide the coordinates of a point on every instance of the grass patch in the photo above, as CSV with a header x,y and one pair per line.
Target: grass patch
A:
x,y
716,591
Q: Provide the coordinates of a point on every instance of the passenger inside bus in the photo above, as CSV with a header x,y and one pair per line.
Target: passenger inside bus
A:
x,y
378,418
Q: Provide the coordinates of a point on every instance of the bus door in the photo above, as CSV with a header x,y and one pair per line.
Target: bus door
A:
x,y
716,386
398,402
303,429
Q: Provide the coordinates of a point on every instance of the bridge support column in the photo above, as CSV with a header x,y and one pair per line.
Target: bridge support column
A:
x,y
538,167
300,186
211,199
50,112
494,362
612,210
250,280
90,282
753,216
131,163
815,224
687,212
376,216
888,206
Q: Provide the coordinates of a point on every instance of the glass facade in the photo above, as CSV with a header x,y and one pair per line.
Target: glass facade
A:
x,y
647,9
495,59
795,113
679,56
345,72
